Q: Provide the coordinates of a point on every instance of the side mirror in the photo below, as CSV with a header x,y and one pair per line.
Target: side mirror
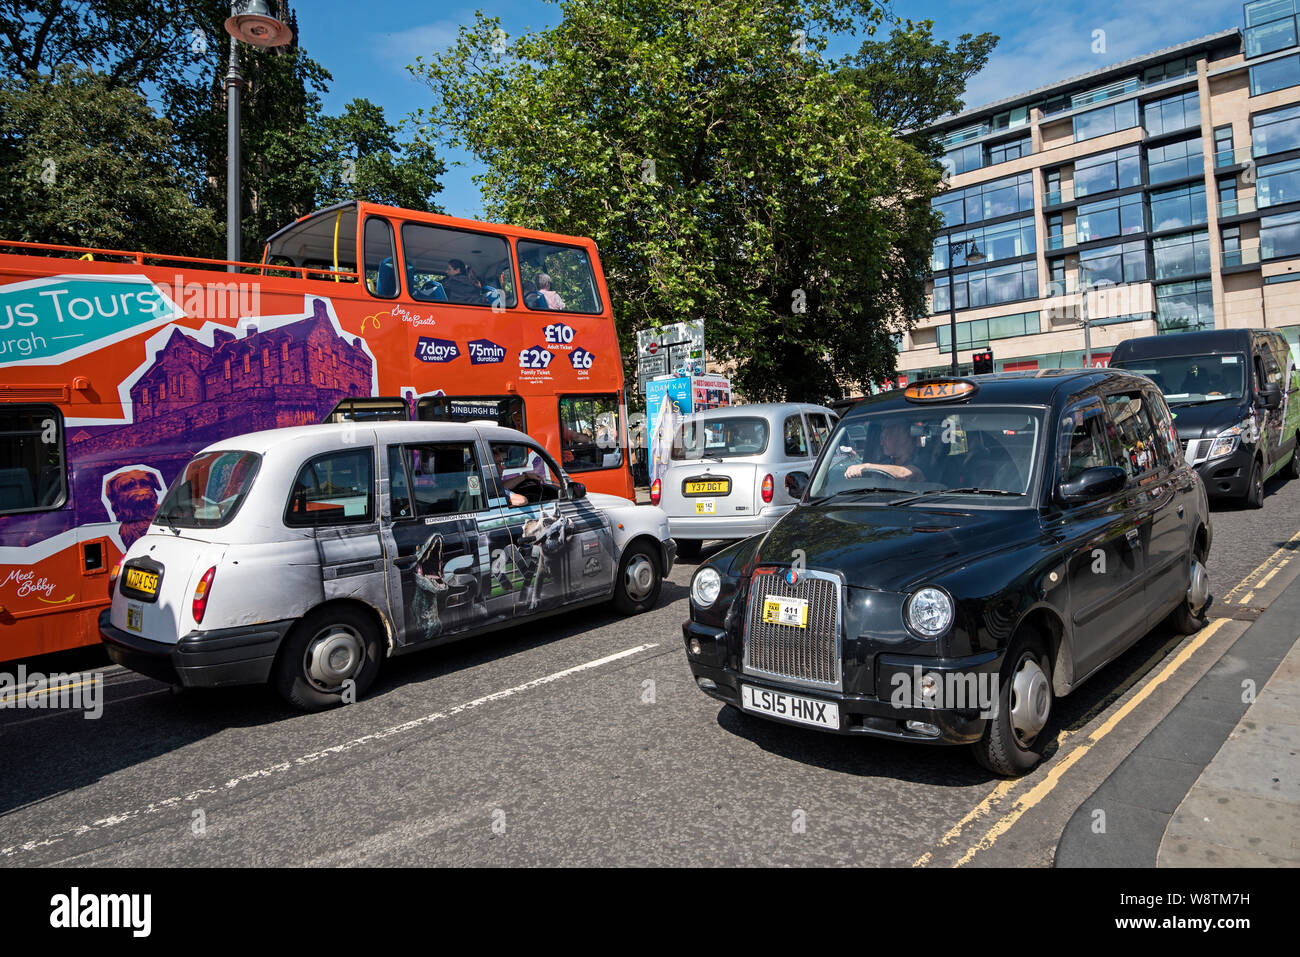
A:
x,y
796,483
1270,395
577,490
1093,483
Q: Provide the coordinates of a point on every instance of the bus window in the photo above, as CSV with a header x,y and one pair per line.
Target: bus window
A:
x,y
457,266
380,258
557,277
381,409
31,458
325,242
589,432
507,411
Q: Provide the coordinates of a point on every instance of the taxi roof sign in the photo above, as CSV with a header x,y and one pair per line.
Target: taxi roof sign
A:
x,y
940,390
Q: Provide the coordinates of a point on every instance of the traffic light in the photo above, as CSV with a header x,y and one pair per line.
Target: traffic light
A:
x,y
983,362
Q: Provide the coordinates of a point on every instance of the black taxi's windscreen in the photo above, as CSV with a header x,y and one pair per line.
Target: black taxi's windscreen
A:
x,y
977,451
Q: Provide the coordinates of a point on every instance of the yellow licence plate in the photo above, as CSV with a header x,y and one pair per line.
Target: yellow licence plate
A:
x,y
709,507
785,611
708,488
142,581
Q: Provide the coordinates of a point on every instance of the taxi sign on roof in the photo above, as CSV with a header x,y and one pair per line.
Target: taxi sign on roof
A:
x,y
940,390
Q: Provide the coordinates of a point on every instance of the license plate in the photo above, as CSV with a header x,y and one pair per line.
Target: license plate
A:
x,y
713,487
134,616
819,714
142,581
785,611
707,507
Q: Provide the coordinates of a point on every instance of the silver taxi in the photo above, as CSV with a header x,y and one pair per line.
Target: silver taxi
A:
x,y
729,471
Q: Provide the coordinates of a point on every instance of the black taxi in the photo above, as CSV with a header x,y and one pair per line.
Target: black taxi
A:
x,y
964,552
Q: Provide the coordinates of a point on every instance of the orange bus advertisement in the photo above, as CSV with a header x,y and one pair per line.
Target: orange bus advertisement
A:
x,y
117,367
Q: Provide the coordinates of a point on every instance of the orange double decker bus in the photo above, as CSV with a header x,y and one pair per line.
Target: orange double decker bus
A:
x,y
116,367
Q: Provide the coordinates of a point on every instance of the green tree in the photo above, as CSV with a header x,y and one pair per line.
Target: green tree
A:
x,y
364,159
73,139
725,168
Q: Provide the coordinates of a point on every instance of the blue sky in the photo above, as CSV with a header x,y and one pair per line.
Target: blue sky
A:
x,y
367,46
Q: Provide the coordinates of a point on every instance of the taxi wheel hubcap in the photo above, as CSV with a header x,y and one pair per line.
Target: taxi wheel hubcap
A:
x,y
333,656
639,578
1198,589
1031,699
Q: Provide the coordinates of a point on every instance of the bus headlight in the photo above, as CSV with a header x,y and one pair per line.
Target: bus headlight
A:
x,y
705,587
929,612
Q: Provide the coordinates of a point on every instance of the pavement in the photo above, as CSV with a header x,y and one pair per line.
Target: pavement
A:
x,y
1215,784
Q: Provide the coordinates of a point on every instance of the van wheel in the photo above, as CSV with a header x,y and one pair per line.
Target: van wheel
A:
x,y
1293,468
1255,489
688,549
639,580
329,652
1013,741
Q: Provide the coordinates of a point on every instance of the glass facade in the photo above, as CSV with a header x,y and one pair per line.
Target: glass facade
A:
x,y
1275,75
1176,160
1118,264
976,333
1108,119
974,204
988,287
1184,255
1119,216
1185,306
1172,113
1117,169
1003,241
1176,208
1278,183
1275,131
1279,236
1270,37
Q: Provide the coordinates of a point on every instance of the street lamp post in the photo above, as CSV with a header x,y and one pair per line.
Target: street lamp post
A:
x,y
1083,306
250,21
973,257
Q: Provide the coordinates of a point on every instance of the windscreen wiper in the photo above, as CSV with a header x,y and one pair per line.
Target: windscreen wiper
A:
x,y
866,490
970,490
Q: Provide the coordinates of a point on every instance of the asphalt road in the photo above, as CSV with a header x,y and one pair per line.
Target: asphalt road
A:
x,y
581,740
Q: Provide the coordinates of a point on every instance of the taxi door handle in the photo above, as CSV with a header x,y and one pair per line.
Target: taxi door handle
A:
x,y
1134,538
1180,511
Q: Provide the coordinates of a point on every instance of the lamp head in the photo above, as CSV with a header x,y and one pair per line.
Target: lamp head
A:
x,y
251,21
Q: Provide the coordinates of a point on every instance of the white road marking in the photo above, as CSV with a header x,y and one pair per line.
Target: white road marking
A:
x,y
306,759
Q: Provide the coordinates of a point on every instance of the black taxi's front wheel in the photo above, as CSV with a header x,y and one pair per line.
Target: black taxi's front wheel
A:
x,y
639,580
1014,739
330,657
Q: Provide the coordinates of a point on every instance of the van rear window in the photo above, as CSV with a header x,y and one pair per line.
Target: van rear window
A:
x,y
209,490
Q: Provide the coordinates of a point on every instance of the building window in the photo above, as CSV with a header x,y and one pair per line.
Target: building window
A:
x,y
1108,119
1118,88
246,362
1005,241
1185,306
1231,236
1181,207
1275,75
1183,255
1172,70
1276,131
1011,149
1001,197
977,333
1270,37
1176,160
1118,169
1117,264
964,159
227,366
1265,11
266,355
1111,217
1172,113
988,287
1278,183
1223,146
1279,236
284,351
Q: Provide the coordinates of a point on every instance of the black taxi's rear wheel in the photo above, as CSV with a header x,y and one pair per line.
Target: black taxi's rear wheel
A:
x,y
331,656
639,580
1188,618
1014,739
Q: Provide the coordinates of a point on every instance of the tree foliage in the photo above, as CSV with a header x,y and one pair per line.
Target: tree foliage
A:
x,y
726,170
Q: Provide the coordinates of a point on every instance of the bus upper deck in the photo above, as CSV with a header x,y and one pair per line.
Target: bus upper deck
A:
x,y
118,366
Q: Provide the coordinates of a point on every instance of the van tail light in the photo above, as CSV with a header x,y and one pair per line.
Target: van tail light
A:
x,y
655,492
113,575
768,486
201,594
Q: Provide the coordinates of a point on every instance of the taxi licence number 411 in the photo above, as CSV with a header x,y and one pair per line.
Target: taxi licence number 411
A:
x,y
785,611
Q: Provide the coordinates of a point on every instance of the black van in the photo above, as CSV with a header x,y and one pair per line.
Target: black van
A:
x,y
1233,393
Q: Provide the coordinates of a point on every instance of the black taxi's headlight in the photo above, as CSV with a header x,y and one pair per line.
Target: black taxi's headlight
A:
x,y
929,612
705,587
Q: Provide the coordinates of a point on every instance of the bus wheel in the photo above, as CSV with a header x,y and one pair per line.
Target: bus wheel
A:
x,y
1014,739
330,656
639,580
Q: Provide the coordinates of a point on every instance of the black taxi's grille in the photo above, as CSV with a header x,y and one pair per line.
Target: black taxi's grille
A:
x,y
808,655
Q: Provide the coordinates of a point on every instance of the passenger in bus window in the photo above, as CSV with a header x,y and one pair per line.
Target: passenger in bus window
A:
x,y
458,285
532,298
544,291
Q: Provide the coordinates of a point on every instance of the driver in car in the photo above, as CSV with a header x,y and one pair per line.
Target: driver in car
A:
x,y
897,447
499,457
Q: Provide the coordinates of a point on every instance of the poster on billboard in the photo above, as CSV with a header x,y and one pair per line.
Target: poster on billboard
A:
x,y
667,401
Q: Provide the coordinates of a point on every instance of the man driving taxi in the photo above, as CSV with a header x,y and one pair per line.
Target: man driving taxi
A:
x,y
898,449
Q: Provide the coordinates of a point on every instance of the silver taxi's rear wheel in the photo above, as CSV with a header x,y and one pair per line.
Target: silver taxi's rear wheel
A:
x,y
330,657
639,580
